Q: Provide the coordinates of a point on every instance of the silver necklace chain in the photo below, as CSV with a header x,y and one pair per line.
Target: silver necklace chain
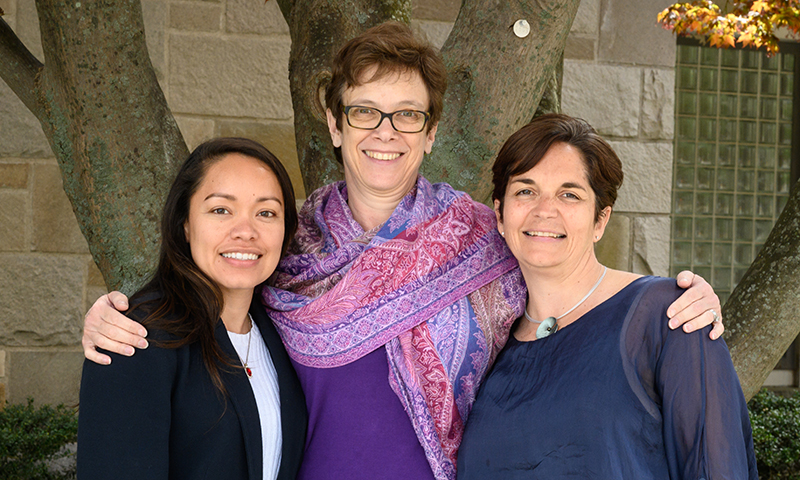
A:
x,y
549,325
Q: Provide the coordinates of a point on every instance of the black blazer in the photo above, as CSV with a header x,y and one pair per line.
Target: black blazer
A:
x,y
157,415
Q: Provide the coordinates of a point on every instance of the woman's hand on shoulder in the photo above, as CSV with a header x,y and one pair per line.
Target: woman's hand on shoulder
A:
x,y
697,307
105,327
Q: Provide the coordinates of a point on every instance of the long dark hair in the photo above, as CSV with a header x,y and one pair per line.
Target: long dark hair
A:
x,y
180,299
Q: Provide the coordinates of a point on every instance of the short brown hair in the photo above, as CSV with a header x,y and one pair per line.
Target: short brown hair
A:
x,y
526,147
390,47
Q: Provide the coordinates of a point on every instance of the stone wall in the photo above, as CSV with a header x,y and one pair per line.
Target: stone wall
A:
x,y
220,64
619,75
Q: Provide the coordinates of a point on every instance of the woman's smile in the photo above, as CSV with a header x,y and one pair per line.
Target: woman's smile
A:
x,y
235,226
543,234
241,256
548,216
383,162
381,155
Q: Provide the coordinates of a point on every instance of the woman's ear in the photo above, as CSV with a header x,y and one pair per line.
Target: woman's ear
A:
x,y
499,215
336,134
601,223
430,137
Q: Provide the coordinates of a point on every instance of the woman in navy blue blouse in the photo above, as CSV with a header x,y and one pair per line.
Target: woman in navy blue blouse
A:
x,y
592,383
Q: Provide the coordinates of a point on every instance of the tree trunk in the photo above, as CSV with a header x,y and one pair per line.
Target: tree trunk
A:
x,y
108,125
551,98
496,81
761,318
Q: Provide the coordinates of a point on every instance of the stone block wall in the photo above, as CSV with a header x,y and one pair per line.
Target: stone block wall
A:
x,y
224,69
619,75
223,66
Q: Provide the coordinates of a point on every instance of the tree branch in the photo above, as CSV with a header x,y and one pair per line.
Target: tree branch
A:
x,y
495,83
286,8
19,68
761,315
551,97
109,126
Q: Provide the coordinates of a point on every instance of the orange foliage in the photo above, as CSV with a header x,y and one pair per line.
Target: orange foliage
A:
x,y
751,23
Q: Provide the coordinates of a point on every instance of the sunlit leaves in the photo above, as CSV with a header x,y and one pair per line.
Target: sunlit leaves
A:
x,y
751,23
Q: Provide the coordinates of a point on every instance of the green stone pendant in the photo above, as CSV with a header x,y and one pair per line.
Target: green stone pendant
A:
x,y
547,327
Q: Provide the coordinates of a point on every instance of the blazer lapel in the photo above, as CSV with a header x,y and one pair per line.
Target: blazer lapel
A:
x,y
294,417
244,402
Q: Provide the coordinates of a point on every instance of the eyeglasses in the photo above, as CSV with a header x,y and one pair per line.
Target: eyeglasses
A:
x,y
368,118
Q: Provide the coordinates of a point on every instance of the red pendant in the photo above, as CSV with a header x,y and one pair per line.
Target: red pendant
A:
x,y
248,371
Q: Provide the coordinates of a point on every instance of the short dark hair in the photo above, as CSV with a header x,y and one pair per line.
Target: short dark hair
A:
x,y
526,147
188,303
390,48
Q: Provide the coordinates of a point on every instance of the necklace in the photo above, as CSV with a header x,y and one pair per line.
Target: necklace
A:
x,y
549,325
247,369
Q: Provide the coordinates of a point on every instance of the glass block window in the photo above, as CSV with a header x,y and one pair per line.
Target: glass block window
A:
x,y
733,158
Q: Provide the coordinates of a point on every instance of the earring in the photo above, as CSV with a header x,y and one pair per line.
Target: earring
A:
x,y
503,234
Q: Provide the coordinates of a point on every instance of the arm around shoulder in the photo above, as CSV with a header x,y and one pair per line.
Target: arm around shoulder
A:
x,y
706,427
697,307
105,327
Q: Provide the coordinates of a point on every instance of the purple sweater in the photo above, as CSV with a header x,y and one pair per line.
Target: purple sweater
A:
x,y
347,437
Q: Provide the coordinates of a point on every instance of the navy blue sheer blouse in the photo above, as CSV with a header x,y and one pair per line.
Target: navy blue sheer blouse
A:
x,y
613,395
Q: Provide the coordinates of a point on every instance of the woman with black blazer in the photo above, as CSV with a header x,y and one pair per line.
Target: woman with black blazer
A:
x,y
215,395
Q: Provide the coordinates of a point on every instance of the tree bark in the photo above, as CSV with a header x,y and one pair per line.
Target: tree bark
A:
x,y
496,81
108,124
19,68
551,98
761,318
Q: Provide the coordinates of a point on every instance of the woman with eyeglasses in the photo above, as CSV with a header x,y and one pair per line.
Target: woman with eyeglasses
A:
x,y
396,294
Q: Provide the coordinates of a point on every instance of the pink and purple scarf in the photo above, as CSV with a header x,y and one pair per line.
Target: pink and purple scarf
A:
x,y
435,284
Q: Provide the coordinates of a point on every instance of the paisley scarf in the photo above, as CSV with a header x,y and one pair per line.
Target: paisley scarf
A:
x,y
435,284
